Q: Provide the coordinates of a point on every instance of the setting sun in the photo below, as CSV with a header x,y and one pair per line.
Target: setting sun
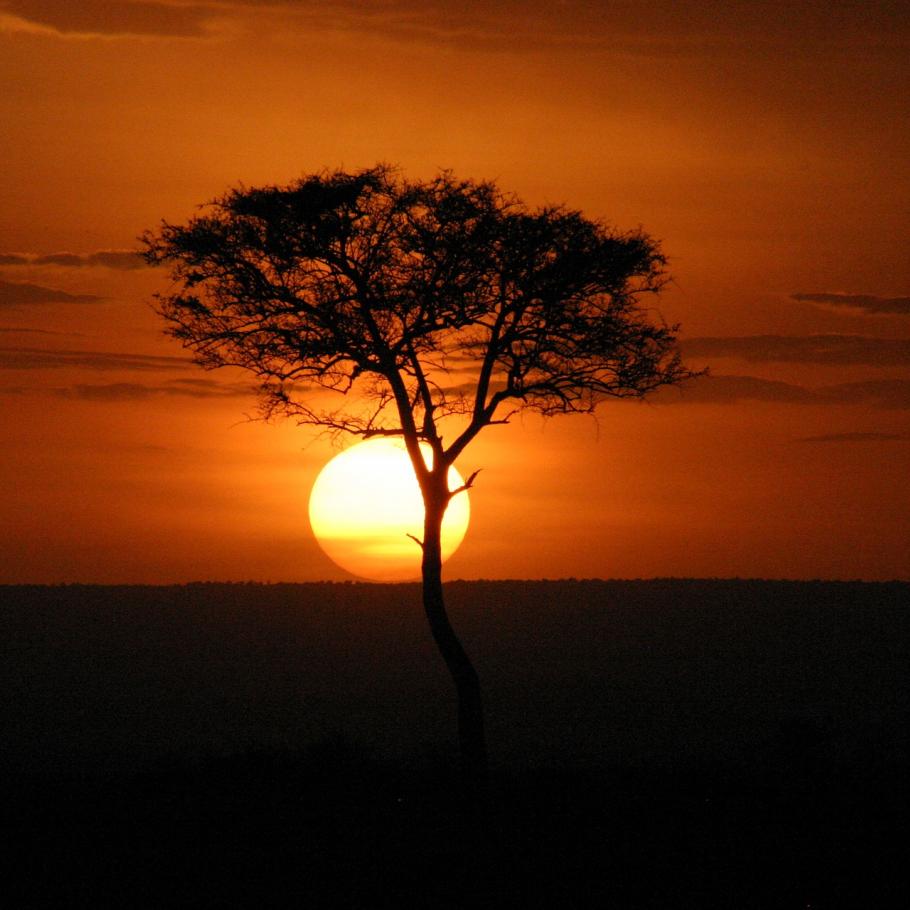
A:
x,y
366,501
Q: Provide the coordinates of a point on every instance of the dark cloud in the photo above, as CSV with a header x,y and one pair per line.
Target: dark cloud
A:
x,y
135,391
117,259
111,259
21,293
882,393
826,349
856,437
69,260
649,27
649,23
113,391
132,391
209,388
867,303
14,330
712,389
645,28
40,359
114,17
198,383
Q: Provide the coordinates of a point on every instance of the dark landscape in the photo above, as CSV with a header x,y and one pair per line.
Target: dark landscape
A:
x,y
663,743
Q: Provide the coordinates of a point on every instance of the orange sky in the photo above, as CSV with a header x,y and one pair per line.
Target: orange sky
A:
x,y
766,144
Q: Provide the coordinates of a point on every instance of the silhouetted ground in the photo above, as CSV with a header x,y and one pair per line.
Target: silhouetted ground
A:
x,y
655,744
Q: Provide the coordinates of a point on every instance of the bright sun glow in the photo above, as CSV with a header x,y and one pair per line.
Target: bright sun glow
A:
x,y
366,501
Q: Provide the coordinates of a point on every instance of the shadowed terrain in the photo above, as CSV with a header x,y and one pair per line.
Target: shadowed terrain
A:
x,y
662,743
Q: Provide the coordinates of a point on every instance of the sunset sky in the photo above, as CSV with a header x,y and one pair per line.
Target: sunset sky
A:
x,y
765,144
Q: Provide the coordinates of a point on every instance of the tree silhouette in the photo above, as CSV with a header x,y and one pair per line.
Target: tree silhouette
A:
x,y
429,306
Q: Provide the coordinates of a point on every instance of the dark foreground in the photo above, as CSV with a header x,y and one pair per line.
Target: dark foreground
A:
x,y
655,744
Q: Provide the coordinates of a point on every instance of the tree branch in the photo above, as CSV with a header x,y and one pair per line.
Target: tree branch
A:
x,y
466,485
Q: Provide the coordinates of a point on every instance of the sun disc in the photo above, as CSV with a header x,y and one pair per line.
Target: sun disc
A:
x,y
366,501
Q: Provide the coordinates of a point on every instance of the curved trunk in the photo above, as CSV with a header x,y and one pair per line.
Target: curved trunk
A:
x,y
467,684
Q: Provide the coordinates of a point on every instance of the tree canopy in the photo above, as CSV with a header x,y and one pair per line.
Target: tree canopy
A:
x,y
420,300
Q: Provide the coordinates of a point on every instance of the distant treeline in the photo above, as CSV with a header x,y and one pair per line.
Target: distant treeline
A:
x,y
524,582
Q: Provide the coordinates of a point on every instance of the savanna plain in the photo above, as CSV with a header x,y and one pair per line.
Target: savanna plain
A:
x,y
663,743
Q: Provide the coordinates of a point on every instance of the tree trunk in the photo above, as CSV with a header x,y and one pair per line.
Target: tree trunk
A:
x,y
467,685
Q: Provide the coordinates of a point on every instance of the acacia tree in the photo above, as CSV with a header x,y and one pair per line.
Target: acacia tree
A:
x,y
441,305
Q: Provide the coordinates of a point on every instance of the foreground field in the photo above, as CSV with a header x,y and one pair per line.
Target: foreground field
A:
x,y
665,743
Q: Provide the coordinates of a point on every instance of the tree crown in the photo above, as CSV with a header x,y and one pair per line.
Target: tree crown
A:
x,y
425,299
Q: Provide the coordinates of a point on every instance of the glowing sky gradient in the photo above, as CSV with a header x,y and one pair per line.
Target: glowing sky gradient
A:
x,y
765,144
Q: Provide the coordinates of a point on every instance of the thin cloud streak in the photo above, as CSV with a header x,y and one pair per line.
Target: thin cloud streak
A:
x,y
731,389
126,260
866,303
22,293
822,349
107,18
18,330
17,358
136,391
655,28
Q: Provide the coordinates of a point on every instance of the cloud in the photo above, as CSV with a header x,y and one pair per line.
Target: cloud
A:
x,y
712,389
111,259
856,437
40,359
826,349
85,18
113,391
65,259
866,303
135,391
138,391
209,388
117,259
882,393
20,293
649,27
16,330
